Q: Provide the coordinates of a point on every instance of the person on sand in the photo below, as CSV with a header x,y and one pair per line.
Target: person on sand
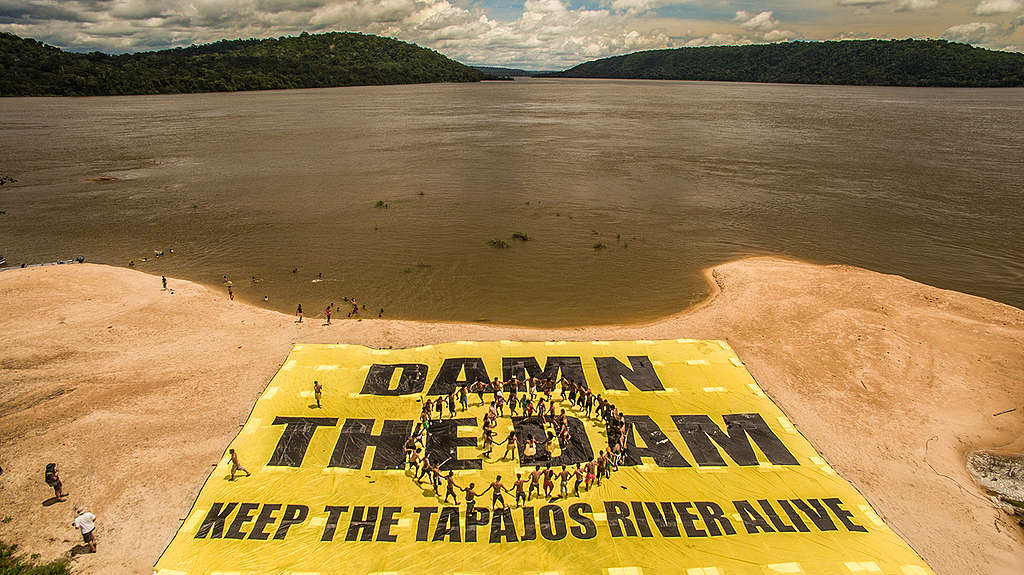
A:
x,y
53,480
86,523
317,391
329,308
231,294
163,280
298,312
236,466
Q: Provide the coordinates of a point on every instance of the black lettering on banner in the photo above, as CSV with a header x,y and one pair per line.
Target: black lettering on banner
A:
x,y
213,523
818,515
387,521
843,515
333,517
243,516
423,523
569,367
475,518
664,519
577,451
294,441
793,516
658,447
293,515
266,518
360,528
502,526
443,442
619,523
640,373
448,525
447,379
411,381
714,518
357,434
688,519
780,525
552,522
698,431
585,527
529,525
752,520
641,519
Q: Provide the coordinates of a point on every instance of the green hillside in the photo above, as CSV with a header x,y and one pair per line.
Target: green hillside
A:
x,y
855,62
31,68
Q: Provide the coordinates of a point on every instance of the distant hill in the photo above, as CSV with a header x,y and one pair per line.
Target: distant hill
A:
x,y
854,62
31,68
507,72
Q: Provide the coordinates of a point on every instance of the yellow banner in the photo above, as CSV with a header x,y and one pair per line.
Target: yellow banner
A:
x,y
705,475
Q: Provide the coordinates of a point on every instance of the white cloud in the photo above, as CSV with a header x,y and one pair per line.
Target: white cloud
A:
x,y
914,5
993,7
761,21
547,34
859,3
982,33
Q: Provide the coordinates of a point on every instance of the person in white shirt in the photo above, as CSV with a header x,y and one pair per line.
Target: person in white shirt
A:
x,y
86,523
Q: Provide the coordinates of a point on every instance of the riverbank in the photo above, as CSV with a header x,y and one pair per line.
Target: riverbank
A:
x,y
135,392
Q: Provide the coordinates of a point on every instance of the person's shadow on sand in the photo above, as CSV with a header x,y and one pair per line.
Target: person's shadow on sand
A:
x,y
80,549
53,501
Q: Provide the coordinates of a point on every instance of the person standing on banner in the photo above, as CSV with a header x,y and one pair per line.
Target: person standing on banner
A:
x,y
236,466
520,490
534,482
470,497
317,392
86,523
451,487
563,486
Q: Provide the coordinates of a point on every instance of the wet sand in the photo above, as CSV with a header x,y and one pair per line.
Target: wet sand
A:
x,y
135,392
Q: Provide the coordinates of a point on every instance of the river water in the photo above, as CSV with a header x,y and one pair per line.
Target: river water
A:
x,y
666,177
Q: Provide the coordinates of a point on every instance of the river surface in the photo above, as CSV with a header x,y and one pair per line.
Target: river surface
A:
x,y
626,190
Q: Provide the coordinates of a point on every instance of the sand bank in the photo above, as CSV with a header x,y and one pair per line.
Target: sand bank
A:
x,y
136,392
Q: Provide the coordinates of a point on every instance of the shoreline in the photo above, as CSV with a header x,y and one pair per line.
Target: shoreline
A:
x,y
135,392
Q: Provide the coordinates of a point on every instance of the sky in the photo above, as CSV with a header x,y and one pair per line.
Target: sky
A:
x,y
530,34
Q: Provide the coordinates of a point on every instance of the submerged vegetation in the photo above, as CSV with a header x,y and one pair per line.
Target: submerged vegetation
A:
x,y
852,62
31,68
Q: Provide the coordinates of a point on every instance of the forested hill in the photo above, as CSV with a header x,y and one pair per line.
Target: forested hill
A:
x,y
30,68
855,62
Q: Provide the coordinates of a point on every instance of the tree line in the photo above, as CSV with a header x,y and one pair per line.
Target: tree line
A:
x,y
851,62
31,68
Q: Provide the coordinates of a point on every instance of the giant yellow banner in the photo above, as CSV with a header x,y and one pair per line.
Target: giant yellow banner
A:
x,y
707,476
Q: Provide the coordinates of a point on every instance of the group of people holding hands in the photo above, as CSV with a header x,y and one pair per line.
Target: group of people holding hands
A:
x,y
534,399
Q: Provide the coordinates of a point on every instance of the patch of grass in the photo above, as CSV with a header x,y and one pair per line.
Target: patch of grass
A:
x,y
12,564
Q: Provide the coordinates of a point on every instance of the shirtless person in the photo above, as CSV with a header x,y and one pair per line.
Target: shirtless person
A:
x,y
563,486
470,497
317,391
534,482
578,474
520,491
498,494
451,487
236,466
549,481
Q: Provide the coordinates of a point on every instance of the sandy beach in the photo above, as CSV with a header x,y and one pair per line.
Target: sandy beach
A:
x,y
135,392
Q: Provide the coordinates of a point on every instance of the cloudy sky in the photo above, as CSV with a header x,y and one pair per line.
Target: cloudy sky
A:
x,y
533,34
